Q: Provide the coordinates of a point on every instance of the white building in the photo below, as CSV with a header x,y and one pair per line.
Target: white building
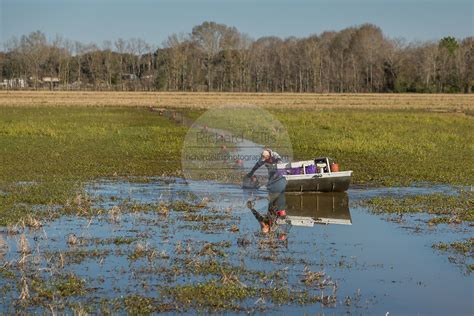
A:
x,y
13,83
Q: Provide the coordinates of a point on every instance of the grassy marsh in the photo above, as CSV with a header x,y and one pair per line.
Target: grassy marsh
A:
x,y
47,153
442,208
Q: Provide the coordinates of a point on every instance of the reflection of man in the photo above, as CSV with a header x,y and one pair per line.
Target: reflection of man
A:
x,y
276,192
268,221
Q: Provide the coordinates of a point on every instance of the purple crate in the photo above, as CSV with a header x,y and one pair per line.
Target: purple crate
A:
x,y
282,172
310,169
297,170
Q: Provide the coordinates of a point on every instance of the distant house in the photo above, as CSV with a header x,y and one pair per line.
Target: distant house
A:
x,y
15,83
51,81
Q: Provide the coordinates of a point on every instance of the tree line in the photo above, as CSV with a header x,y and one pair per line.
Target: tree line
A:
x,y
217,57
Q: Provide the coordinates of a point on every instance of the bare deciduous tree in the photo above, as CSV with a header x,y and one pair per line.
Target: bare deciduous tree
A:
x,y
216,57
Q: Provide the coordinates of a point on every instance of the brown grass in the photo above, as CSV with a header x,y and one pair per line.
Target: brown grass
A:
x,y
114,214
23,244
25,293
72,240
443,102
3,247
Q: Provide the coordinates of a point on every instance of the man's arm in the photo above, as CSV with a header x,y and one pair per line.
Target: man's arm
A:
x,y
255,168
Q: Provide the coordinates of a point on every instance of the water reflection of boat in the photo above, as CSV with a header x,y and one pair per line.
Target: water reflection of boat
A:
x,y
307,209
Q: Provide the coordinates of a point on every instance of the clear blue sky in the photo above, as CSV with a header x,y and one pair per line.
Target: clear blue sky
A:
x,y
99,20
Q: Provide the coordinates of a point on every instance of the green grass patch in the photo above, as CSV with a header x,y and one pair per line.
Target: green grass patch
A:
x,y
47,153
463,252
465,248
214,295
452,208
58,287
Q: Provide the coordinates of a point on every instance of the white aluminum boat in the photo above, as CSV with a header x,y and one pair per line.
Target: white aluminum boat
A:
x,y
314,175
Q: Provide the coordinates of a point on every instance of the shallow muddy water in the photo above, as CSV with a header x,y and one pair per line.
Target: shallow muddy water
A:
x,y
370,265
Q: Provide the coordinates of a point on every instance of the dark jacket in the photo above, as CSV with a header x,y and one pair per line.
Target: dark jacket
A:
x,y
271,166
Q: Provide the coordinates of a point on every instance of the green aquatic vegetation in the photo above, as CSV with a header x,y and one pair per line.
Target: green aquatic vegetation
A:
x,y
218,268
444,220
138,252
144,251
282,296
184,206
211,250
139,208
459,207
70,285
465,248
123,240
63,286
462,251
207,296
76,256
117,241
311,277
205,218
141,305
6,273
228,294
210,227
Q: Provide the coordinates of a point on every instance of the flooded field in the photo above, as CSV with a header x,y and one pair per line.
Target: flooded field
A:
x,y
165,245
112,217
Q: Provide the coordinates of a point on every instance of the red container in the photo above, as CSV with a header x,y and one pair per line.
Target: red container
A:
x,y
334,167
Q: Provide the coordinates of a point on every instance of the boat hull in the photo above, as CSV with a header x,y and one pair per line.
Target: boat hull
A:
x,y
319,182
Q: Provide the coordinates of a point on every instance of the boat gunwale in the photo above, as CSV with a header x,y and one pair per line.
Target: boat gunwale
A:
x,y
316,176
